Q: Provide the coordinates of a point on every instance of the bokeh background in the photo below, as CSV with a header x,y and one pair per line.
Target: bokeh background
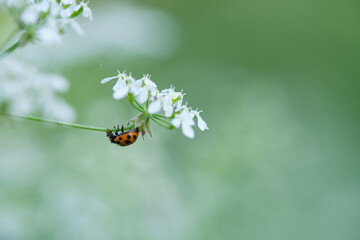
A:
x,y
279,85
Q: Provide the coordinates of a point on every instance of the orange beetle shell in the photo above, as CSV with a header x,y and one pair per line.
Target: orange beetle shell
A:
x,y
125,138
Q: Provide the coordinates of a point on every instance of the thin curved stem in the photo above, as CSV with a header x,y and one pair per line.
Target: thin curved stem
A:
x,y
138,104
5,49
161,116
10,49
159,123
61,123
137,108
135,104
162,119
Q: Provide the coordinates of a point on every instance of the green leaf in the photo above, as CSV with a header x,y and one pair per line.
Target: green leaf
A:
x,y
176,99
147,124
77,13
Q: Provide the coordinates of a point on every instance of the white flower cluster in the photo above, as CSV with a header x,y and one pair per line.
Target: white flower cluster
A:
x,y
47,20
25,90
145,91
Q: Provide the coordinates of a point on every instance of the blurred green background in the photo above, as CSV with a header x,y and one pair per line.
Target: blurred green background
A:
x,y
279,85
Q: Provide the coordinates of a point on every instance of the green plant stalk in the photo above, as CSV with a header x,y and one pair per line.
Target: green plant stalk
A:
x,y
61,123
4,49
10,49
161,119
160,124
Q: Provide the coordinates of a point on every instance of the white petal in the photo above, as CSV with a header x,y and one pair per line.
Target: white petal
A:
x,y
77,7
136,88
119,84
105,80
87,13
77,28
167,106
30,15
120,93
178,104
155,107
49,34
176,122
66,2
201,123
142,95
149,83
187,118
168,109
67,12
189,121
187,131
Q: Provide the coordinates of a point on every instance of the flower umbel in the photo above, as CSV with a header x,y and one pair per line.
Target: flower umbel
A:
x,y
145,97
44,20
26,90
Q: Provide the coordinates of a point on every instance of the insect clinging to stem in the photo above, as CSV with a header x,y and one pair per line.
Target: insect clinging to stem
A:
x,y
124,138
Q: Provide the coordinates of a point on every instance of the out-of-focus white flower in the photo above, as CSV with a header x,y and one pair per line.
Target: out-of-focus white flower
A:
x,y
49,34
13,3
74,25
66,2
185,120
25,90
31,14
86,10
47,20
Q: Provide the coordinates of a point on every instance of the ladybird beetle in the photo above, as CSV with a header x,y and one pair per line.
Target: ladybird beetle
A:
x,y
124,138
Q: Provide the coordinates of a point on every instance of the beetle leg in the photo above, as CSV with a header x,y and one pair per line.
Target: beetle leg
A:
x,y
117,131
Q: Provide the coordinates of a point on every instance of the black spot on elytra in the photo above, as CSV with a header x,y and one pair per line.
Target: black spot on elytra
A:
x,y
120,138
128,136
127,142
134,136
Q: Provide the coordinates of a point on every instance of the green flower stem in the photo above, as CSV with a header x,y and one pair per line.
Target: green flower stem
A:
x,y
5,49
10,49
161,116
73,125
134,103
138,104
159,123
137,107
161,119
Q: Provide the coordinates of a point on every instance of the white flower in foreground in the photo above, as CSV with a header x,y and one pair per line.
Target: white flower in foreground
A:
x,y
185,120
176,97
201,123
147,87
25,90
124,85
150,101
49,33
163,101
